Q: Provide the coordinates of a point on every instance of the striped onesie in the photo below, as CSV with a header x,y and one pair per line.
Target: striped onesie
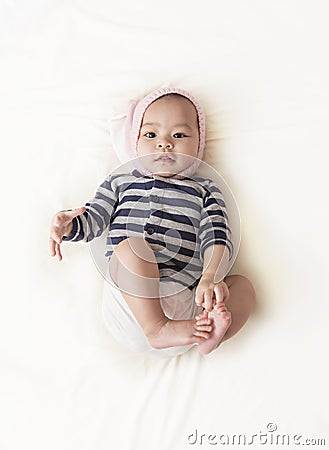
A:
x,y
179,218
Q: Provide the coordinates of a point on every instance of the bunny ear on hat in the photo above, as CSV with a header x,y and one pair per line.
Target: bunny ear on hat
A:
x,y
120,132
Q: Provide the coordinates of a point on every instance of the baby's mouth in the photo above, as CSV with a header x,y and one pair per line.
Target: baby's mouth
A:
x,y
165,158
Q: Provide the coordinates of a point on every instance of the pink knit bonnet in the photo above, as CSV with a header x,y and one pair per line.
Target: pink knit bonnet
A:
x,y
125,128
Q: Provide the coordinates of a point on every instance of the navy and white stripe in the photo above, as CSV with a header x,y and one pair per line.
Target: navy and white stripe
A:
x,y
179,218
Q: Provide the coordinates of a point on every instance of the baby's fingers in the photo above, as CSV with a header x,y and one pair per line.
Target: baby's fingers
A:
x,y
55,249
52,247
208,300
58,252
198,297
55,234
219,294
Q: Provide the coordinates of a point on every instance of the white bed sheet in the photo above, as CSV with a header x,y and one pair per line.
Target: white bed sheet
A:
x,y
261,71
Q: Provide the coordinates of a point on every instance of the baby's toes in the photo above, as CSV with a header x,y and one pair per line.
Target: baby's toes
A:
x,y
202,334
221,309
202,315
219,305
207,321
206,328
226,314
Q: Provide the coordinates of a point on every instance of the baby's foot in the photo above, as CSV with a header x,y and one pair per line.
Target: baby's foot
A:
x,y
174,333
221,322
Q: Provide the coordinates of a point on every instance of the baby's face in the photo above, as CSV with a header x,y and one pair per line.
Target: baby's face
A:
x,y
169,131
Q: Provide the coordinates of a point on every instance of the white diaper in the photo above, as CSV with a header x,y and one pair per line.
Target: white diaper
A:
x,y
126,330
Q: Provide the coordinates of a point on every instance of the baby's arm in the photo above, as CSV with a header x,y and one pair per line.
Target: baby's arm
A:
x,y
216,248
215,265
85,223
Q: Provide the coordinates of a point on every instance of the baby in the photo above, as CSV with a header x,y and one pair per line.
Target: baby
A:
x,y
169,242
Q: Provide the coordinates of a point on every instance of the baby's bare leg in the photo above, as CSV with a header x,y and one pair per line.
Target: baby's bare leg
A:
x,y
134,269
240,303
239,307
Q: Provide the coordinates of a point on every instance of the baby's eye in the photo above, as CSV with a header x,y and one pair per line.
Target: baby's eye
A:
x,y
179,135
150,135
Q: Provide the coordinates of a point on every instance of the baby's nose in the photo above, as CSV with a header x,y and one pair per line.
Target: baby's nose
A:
x,y
164,144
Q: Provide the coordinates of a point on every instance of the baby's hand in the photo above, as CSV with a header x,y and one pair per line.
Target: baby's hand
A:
x,y
61,225
211,295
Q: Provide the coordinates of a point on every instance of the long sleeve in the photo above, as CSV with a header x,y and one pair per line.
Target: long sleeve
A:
x,y
214,224
96,218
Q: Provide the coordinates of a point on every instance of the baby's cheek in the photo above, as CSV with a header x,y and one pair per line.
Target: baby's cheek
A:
x,y
143,147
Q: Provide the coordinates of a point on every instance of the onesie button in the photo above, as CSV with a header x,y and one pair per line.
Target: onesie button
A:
x,y
156,198
150,230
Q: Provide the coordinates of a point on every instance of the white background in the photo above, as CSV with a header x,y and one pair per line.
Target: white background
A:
x,y
261,70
